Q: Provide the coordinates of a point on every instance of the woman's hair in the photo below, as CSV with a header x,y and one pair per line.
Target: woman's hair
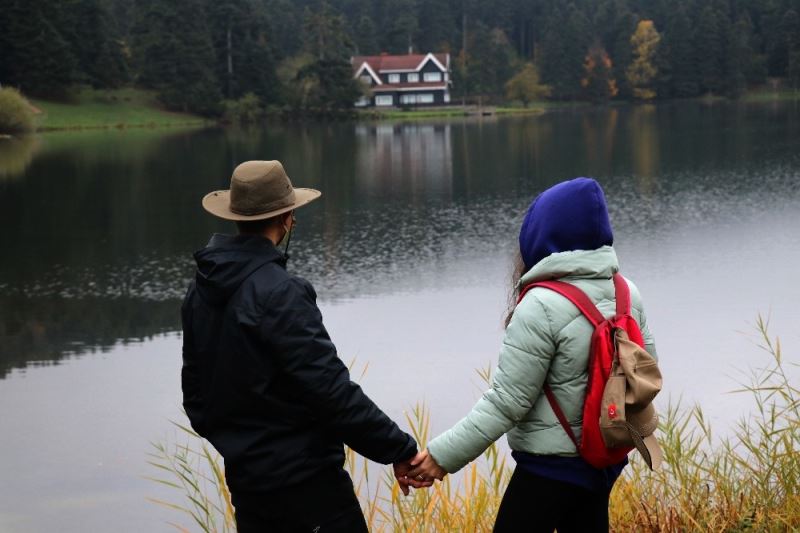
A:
x,y
517,270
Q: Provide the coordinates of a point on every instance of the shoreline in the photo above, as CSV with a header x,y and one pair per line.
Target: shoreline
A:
x,y
132,108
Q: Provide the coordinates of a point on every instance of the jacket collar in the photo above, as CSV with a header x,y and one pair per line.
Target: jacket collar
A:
x,y
601,263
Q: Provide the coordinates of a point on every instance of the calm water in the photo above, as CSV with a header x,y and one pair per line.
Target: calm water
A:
x,y
409,250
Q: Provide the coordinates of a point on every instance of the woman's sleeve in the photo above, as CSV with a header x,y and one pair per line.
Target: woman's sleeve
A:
x,y
527,350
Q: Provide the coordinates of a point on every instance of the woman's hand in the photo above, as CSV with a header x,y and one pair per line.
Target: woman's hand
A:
x,y
424,468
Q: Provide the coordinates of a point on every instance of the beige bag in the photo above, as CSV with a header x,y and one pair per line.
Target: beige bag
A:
x,y
627,415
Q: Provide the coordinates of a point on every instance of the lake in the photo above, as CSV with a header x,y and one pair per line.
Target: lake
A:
x,y
409,249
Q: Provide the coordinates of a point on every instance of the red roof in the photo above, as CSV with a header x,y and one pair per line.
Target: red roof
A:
x,y
385,62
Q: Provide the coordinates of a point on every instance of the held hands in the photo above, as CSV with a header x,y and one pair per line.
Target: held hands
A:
x,y
418,472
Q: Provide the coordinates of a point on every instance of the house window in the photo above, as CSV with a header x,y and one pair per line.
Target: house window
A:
x,y
425,98
384,100
413,78
366,79
394,78
407,99
431,77
362,102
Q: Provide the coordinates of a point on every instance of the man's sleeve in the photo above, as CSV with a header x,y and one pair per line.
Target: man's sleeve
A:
x,y
292,329
191,373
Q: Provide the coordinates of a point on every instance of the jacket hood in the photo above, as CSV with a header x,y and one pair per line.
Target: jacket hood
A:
x,y
569,216
584,264
228,260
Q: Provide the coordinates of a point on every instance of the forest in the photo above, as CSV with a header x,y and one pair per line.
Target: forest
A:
x,y
295,54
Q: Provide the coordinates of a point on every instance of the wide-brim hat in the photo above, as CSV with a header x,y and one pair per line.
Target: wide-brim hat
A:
x,y
259,190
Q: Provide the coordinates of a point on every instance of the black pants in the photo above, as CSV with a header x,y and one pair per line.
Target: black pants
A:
x,y
324,504
534,504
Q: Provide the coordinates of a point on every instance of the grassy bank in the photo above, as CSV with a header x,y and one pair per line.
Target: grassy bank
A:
x,y
450,112
770,95
122,108
749,481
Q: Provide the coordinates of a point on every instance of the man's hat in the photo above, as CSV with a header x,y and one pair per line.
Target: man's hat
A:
x,y
259,190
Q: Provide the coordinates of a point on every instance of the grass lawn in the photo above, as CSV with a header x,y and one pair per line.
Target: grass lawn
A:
x,y
770,95
121,108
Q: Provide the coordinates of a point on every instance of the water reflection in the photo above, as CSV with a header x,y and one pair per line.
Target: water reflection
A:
x,y
417,158
100,226
15,155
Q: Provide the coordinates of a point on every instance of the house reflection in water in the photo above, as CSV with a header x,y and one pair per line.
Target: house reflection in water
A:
x,y
408,159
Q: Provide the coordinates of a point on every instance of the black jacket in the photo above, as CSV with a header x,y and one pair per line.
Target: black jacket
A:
x,y
261,378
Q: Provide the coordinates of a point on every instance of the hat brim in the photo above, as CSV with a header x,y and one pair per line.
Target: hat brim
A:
x,y
218,204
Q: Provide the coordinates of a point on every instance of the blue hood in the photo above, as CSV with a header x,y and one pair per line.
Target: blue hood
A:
x,y
569,216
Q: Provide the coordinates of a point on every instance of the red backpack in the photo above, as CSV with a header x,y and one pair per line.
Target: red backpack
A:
x,y
592,446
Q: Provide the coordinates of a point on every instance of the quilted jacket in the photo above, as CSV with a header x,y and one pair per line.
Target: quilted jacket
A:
x,y
547,341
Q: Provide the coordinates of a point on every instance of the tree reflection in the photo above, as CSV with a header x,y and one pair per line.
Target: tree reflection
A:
x,y
16,154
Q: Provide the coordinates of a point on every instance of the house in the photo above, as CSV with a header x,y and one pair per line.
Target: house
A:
x,y
404,80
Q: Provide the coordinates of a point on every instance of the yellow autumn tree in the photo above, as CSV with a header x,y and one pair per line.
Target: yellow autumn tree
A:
x,y
642,71
526,87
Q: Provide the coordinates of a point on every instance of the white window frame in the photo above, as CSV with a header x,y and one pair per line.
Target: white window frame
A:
x,y
394,78
366,79
432,77
384,100
425,98
413,77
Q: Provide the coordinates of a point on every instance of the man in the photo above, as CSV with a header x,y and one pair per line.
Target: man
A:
x,y
261,378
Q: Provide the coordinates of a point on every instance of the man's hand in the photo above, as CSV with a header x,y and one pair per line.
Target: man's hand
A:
x,y
425,468
401,473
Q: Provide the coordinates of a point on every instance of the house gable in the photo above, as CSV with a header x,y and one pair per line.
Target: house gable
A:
x,y
366,68
430,58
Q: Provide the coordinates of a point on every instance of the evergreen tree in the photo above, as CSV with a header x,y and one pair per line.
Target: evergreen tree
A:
x,y
737,57
791,31
366,36
89,31
709,48
36,57
681,61
642,73
325,79
563,52
174,55
491,63
400,26
244,59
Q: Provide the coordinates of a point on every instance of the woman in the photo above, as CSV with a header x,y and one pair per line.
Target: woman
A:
x,y
566,235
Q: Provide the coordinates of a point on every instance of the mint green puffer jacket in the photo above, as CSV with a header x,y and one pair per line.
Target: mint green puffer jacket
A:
x,y
547,340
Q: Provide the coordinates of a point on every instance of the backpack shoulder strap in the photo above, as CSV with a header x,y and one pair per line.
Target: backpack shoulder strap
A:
x,y
623,295
572,293
587,307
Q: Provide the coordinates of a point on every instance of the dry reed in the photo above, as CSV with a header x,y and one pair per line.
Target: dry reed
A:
x,y
749,481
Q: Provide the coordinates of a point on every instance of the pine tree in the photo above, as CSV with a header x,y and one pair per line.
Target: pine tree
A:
x,y
641,74
244,58
174,55
681,61
90,33
563,52
36,57
709,48
791,31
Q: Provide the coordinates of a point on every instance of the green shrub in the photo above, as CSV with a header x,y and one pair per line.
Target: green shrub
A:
x,y
16,114
245,110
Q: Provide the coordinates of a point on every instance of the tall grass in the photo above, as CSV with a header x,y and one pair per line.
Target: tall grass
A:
x,y
748,481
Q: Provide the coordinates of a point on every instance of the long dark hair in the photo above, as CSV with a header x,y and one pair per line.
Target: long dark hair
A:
x,y
517,270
